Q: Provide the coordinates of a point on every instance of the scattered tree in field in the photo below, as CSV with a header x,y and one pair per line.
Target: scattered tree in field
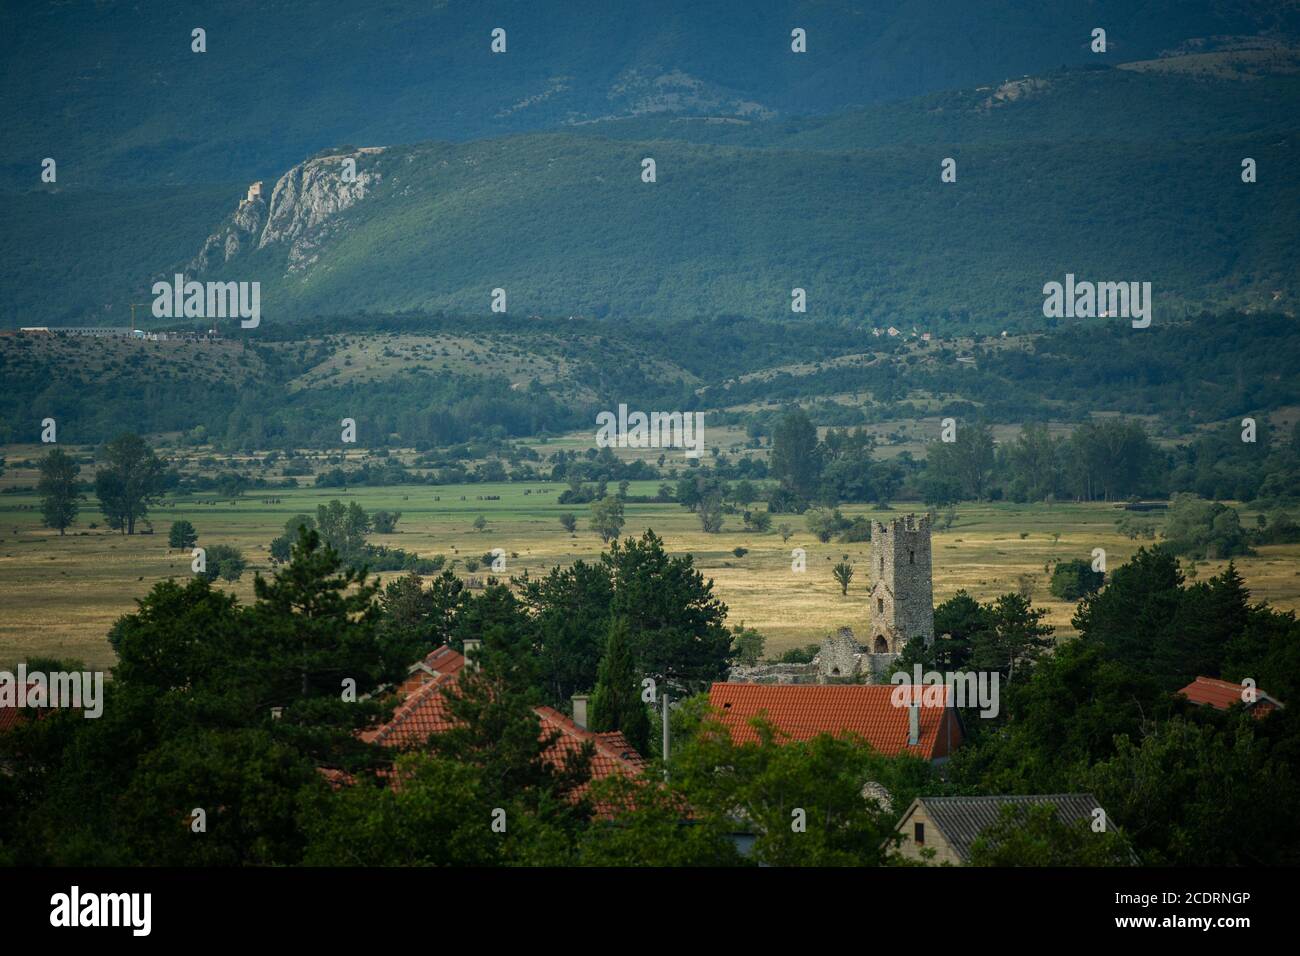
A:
x,y
965,463
843,573
1071,580
1134,528
825,523
343,528
795,461
785,530
710,513
607,517
747,644
130,481
232,484
224,561
58,488
568,522
1204,529
182,536
384,522
480,523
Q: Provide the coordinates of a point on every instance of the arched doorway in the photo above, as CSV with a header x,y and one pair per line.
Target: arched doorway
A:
x,y
882,645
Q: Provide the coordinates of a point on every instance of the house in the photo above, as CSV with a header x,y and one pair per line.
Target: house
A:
x,y
13,716
437,664
425,711
802,711
948,826
1222,694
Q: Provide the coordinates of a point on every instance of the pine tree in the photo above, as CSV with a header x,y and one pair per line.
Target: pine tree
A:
x,y
616,703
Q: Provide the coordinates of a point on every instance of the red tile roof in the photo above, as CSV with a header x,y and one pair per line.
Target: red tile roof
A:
x,y
422,713
11,717
1222,694
612,753
425,712
442,662
802,711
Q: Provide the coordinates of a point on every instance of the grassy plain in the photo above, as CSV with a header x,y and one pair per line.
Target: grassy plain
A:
x,y
59,595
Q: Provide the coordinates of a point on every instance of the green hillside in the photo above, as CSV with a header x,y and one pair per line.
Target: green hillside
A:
x,y
563,222
1112,175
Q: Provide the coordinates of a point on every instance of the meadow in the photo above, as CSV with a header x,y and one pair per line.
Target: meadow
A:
x,y
60,595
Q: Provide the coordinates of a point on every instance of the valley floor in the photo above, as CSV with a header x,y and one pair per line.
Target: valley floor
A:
x,y
60,595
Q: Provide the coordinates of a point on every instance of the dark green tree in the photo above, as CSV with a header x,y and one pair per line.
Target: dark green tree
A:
x,y
59,490
182,536
795,460
616,703
679,633
129,481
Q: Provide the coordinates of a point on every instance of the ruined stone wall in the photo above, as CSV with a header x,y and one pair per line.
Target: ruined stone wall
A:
x,y
838,661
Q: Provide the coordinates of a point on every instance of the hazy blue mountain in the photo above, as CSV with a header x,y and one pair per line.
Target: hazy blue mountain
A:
x,y
114,93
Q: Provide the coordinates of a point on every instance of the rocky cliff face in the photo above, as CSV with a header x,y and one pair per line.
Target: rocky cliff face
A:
x,y
303,211
236,234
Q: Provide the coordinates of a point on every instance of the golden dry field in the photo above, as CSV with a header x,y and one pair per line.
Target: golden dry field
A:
x,y
59,595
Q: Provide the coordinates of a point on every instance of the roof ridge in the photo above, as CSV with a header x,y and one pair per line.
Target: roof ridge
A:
x,y
569,726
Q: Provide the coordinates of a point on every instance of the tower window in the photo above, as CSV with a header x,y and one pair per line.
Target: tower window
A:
x,y
911,557
882,564
918,832
880,605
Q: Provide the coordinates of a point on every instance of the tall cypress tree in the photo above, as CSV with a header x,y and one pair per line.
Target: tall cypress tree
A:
x,y
616,703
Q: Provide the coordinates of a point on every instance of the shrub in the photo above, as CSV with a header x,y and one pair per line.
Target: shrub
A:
x,y
1071,580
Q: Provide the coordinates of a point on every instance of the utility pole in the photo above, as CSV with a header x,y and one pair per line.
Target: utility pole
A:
x,y
134,306
666,735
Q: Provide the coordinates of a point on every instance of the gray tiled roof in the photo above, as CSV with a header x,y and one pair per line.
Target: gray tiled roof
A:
x,y
961,819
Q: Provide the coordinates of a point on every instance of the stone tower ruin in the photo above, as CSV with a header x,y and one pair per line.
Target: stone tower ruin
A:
x,y
902,597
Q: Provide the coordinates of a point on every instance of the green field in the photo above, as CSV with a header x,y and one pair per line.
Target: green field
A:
x,y
59,595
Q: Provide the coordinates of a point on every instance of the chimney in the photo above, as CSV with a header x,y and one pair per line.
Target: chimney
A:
x,y
580,710
914,723
472,645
